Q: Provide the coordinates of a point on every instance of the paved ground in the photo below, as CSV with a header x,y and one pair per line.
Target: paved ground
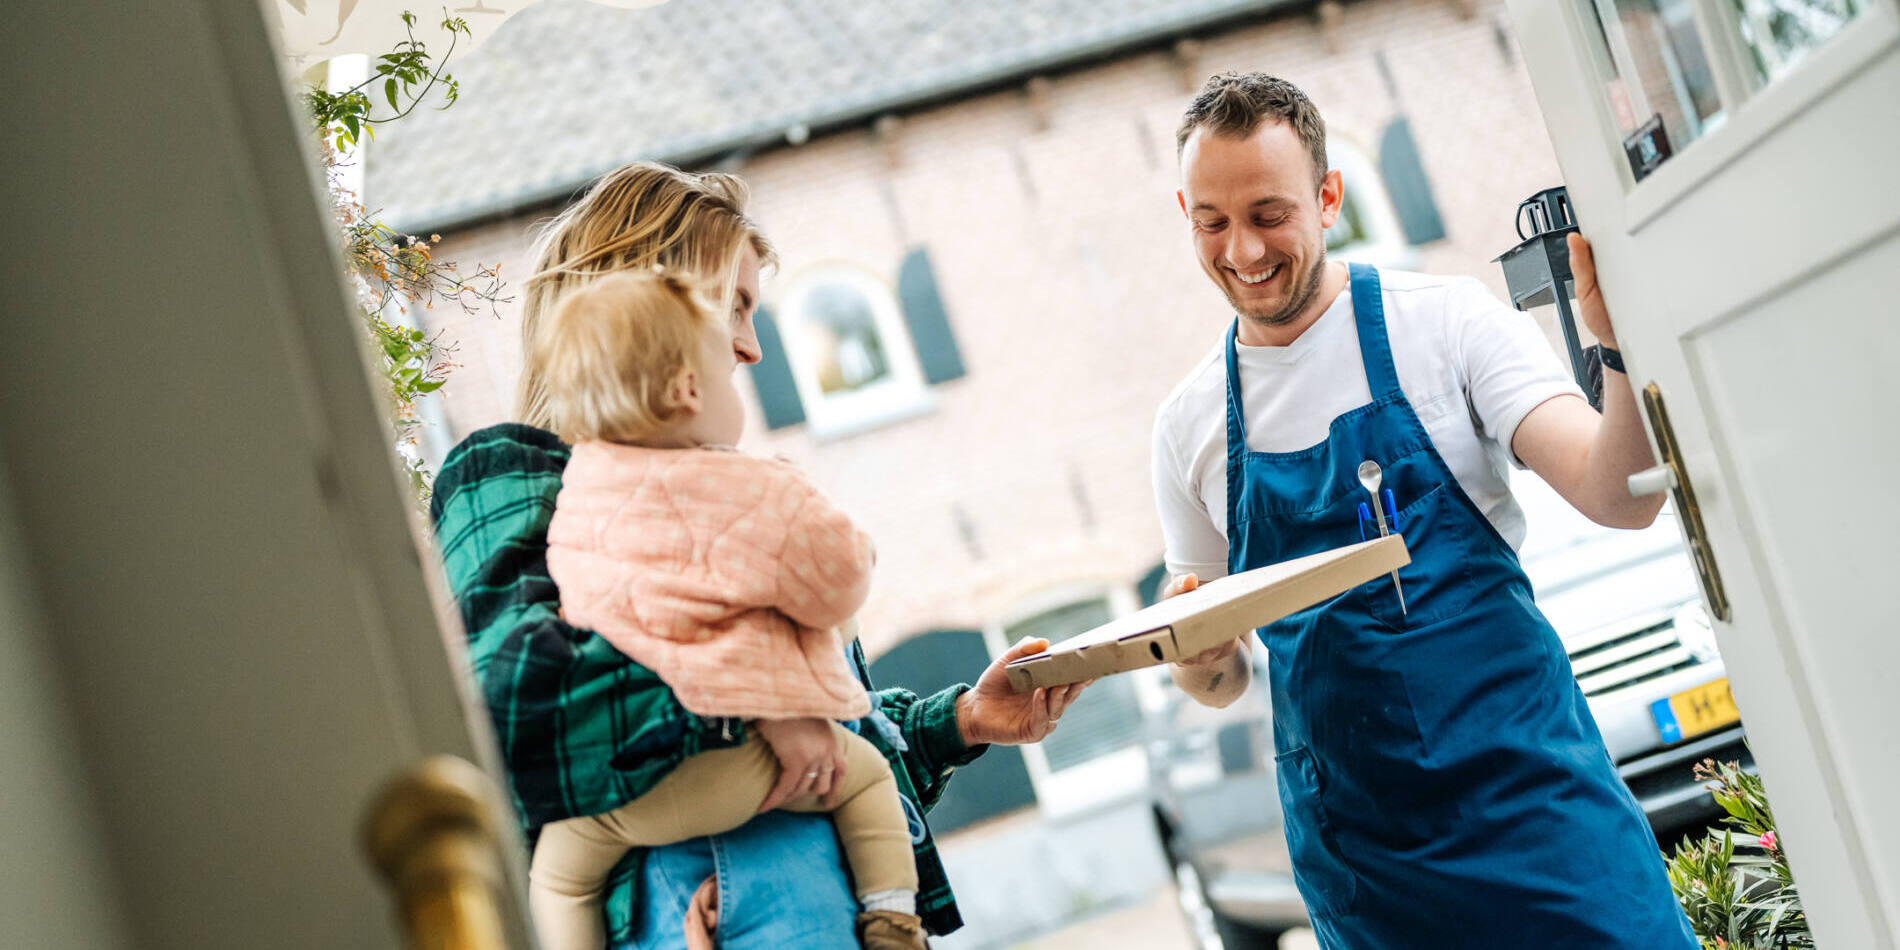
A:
x,y
1154,924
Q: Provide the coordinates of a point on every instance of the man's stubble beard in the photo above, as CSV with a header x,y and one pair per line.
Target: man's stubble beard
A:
x,y
1302,296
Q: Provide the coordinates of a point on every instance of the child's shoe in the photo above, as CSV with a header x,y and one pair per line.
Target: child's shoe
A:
x,y
890,930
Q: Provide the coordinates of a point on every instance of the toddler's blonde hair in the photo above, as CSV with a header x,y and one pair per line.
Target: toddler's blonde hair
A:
x,y
611,350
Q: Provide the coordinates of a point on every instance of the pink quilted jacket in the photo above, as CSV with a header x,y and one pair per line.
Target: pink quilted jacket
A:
x,y
727,575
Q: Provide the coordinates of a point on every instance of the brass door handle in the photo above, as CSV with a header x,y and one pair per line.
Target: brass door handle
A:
x,y
434,835
1672,475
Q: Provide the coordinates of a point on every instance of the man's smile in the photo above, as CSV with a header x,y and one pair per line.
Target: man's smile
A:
x,y
1256,277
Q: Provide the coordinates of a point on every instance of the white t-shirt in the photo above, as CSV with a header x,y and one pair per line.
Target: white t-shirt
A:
x,y
1471,367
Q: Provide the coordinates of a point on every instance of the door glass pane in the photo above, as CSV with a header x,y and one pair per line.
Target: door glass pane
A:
x,y
1779,32
1108,716
1656,75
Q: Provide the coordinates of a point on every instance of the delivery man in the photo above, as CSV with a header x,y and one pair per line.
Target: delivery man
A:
x,y
1442,780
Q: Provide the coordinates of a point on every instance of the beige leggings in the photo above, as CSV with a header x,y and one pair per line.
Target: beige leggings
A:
x,y
709,793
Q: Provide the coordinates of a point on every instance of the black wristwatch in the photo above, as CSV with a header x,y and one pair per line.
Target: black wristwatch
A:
x,y
1611,359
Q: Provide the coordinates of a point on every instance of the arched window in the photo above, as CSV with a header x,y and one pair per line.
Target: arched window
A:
x,y
1097,755
1368,228
994,785
851,355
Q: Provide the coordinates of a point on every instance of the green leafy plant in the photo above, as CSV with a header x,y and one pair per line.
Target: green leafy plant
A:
x,y
344,116
1739,897
390,269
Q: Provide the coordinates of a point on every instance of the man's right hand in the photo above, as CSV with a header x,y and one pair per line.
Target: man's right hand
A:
x,y
1217,675
810,760
1181,585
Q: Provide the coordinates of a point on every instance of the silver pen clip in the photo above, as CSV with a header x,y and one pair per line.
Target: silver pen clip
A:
x,y
1370,476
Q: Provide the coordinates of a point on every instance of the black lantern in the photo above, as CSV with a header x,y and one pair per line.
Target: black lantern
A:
x,y
1537,272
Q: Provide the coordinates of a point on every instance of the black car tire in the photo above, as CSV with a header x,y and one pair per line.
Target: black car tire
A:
x,y
1235,935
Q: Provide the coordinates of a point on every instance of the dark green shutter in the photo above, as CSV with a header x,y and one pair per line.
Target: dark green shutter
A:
x,y
1149,587
1405,181
997,783
929,325
772,376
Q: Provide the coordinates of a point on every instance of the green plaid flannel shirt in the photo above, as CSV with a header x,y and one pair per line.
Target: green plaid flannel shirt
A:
x,y
582,728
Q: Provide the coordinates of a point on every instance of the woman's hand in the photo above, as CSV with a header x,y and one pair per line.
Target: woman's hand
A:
x,y
810,761
993,712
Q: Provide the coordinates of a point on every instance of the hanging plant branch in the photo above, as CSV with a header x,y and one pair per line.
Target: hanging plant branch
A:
x,y
343,117
387,267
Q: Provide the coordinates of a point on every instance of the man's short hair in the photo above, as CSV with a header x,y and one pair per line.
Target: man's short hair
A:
x,y
1235,104
611,350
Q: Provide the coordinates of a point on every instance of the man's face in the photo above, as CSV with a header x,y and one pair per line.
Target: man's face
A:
x,y
1257,218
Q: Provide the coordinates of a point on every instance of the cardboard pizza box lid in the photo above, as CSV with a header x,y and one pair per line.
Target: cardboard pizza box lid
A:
x,y
1212,614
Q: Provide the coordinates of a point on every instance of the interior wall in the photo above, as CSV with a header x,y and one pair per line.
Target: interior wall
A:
x,y
56,886
227,584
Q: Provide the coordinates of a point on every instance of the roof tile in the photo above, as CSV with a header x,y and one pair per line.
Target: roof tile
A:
x,y
566,90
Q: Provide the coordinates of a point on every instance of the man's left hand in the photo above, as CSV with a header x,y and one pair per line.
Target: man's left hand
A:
x,y
1590,306
993,712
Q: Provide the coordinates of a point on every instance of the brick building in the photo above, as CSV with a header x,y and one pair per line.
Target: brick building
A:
x,y
986,286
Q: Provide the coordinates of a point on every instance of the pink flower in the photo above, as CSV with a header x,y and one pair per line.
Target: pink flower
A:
x,y
1768,840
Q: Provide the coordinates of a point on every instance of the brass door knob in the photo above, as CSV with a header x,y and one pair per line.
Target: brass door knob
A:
x,y
434,834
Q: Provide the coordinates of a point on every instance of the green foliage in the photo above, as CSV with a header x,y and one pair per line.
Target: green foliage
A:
x,y
343,117
1746,899
389,268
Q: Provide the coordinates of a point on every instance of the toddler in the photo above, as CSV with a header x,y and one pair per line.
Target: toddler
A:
x,y
725,574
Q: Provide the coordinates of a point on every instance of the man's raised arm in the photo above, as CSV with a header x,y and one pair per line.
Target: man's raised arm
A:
x,y
1589,458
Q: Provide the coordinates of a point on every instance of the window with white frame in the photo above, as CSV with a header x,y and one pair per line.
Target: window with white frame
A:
x,y
1779,33
1096,756
1672,71
1368,227
850,352
1655,69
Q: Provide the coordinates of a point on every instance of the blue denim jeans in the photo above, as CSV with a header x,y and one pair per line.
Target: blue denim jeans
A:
x,y
782,883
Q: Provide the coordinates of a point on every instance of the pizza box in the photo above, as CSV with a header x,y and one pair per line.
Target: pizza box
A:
x,y
1210,615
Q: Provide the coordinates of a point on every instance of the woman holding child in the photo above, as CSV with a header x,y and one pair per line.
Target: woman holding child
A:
x,y
616,760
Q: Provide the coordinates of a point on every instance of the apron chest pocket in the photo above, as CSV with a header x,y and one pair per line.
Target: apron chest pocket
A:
x,y
1325,881
1441,537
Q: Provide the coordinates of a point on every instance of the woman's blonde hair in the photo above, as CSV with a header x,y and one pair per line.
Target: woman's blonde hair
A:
x,y
611,351
638,216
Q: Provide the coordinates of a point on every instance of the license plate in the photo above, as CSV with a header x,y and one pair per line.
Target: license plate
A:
x,y
1693,712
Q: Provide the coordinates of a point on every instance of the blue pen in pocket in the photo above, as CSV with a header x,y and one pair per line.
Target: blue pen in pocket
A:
x,y
1386,523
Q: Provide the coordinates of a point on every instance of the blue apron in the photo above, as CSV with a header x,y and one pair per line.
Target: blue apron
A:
x,y
1443,782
